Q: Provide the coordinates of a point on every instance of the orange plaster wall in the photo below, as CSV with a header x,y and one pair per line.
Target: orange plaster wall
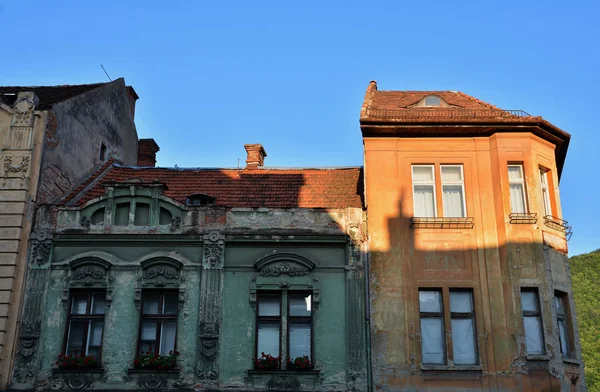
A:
x,y
495,258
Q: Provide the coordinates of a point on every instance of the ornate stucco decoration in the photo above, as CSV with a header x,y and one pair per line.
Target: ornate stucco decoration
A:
x,y
209,340
160,272
284,269
74,381
175,224
23,114
284,383
41,245
10,167
89,272
30,333
214,246
85,223
152,382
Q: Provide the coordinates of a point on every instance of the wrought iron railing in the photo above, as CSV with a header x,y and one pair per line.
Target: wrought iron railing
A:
x,y
558,224
441,223
523,218
450,113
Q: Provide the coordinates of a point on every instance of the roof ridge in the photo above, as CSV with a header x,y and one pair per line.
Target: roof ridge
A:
x,y
58,85
92,179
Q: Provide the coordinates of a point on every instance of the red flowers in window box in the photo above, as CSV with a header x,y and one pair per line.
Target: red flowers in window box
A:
x,y
300,363
151,360
266,362
72,362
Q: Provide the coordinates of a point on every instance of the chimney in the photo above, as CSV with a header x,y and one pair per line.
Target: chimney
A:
x,y
147,149
256,156
132,96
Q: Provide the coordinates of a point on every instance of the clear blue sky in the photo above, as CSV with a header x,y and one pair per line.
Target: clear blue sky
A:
x,y
213,75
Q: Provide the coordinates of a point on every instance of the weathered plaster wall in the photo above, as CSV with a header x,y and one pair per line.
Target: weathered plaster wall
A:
x,y
495,258
76,130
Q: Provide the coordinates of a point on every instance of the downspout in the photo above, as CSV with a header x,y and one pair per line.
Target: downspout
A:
x,y
368,315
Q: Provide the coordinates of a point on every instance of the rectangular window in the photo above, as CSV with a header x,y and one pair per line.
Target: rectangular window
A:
x,y
85,324
296,308
463,327
545,191
424,202
432,327
516,179
453,191
158,327
532,321
561,305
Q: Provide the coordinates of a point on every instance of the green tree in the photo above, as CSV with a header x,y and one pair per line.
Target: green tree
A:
x,y
585,274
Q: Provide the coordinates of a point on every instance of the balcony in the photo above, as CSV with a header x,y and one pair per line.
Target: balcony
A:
x,y
526,218
442,223
558,224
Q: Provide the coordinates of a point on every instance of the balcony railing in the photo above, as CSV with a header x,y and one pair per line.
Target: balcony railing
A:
x,y
449,113
441,223
523,218
558,224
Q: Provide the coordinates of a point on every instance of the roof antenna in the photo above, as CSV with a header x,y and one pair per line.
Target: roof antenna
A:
x,y
106,72
238,163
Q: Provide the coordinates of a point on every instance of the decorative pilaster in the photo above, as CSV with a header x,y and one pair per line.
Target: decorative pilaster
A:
x,y
210,309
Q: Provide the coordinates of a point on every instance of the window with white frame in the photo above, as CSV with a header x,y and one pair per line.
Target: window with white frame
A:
x,y
424,202
453,191
516,179
532,321
545,191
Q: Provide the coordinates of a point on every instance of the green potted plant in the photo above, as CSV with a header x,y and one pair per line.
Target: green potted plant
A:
x,y
151,360
300,363
76,362
266,362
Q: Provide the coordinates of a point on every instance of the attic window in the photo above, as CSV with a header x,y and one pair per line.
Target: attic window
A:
x,y
433,101
102,152
199,199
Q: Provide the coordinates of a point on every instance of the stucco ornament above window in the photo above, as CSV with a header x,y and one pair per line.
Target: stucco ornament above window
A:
x,y
284,264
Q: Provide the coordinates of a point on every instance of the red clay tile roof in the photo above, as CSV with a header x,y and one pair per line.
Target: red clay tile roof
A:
x,y
272,188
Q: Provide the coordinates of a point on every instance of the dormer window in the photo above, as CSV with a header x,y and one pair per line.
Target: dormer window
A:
x,y
433,101
199,199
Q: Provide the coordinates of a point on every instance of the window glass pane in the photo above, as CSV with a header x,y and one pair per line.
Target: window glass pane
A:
x,y
432,101
430,301
171,303
453,201
424,202
559,304
94,341
422,173
268,339
517,198
165,217
461,302
529,301
564,342
463,341
269,306
547,208
142,214
515,173
300,305
151,302
98,303
97,217
122,214
451,174
79,304
167,337
432,343
149,330
543,177
533,335
299,340
75,337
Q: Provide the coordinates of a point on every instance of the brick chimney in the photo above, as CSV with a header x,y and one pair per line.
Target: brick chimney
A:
x,y
132,96
256,156
147,149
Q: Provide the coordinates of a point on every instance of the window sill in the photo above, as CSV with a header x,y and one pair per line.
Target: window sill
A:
x,y
476,368
143,371
441,223
284,372
538,358
572,361
90,370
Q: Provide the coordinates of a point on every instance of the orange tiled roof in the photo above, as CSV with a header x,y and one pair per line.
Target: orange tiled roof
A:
x,y
272,188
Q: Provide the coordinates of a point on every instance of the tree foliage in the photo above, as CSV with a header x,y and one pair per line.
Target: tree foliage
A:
x,y
585,274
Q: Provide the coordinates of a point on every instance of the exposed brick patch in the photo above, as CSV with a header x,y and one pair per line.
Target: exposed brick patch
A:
x,y
53,185
51,139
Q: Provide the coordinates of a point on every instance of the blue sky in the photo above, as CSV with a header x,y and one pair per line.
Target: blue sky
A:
x,y
292,75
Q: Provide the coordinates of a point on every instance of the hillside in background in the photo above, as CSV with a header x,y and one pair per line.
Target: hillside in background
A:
x,y
585,274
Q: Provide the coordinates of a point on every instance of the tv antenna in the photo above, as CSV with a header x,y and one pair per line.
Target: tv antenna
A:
x,y
106,72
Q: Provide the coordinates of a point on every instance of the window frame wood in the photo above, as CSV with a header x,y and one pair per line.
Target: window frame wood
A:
x,y
303,319
566,318
464,315
89,317
159,318
267,319
431,183
454,183
521,182
538,314
434,315
545,191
